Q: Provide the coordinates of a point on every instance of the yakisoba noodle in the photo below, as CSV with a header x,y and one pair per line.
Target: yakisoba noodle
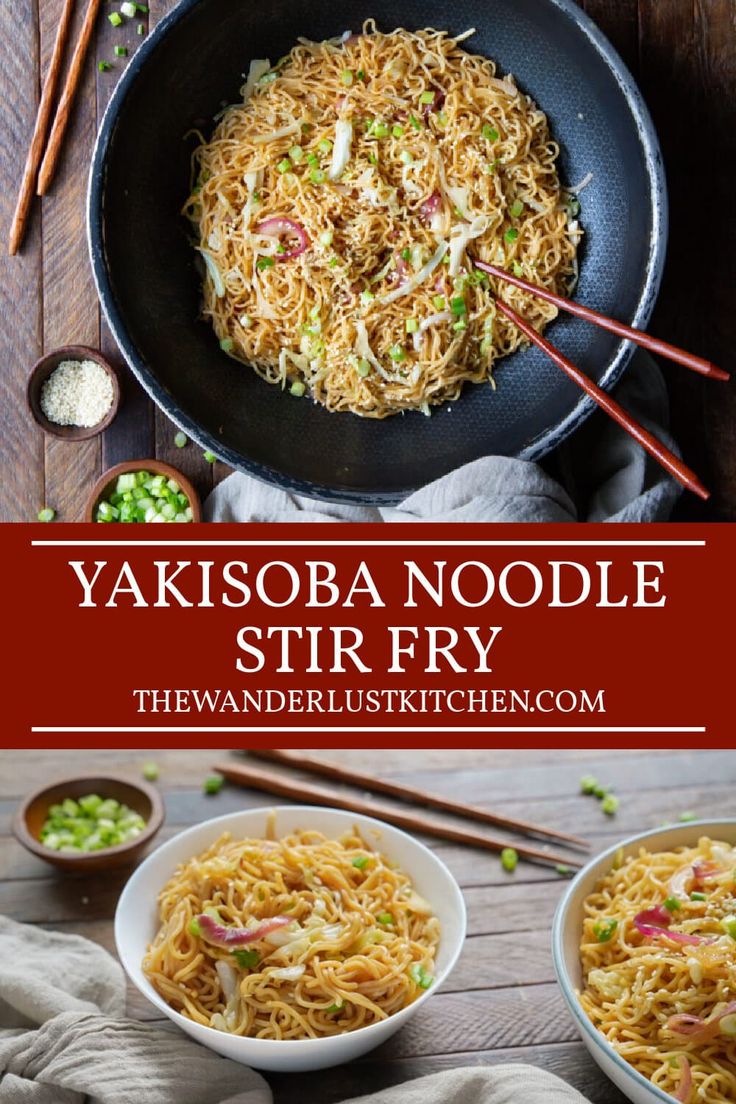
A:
x,y
335,208
338,938
659,967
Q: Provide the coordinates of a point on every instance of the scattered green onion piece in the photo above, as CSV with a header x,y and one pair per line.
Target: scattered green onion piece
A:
x,y
380,130
426,98
333,262
438,301
246,958
511,234
209,457
227,344
264,262
150,771
103,66
563,869
406,158
603,929
142,8
360,75
671,904
457,306
325,145
194,928
213,783
416,123
385,918
296,153
696,896
128,8
297,389
397,353
115,18
180,439
397,130
509,859
489,133
600,791
517,269
46,514
460,325
420,976
492,166
372,158
334,1008
366,296
245,321
412,325
141,29
347,77
363,369
728,923
317,176
313,160
684,817
284,165
406,254
610,804
516,208
361,861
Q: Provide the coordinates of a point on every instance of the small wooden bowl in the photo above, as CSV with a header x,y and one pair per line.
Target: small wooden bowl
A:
x,y
144,799
102,486
41,371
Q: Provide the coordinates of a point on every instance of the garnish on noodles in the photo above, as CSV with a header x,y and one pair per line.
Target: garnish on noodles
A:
x,y
659,968
337,209
295,938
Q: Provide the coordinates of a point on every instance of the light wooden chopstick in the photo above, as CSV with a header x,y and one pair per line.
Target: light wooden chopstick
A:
x,y
43,115
671,463
653,344
281,786
63,111
411,793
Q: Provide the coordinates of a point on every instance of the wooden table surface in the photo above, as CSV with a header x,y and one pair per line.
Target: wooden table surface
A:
x,y
683,54
501,1003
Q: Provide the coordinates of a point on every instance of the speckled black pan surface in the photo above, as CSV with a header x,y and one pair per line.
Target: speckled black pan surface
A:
x,y
150,291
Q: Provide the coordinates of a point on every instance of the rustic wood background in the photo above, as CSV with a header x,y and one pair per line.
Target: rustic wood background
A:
x,y
683,53
501,1003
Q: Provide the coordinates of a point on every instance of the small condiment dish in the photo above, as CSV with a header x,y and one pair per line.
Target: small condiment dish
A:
x,y
41,371
104,484
140,796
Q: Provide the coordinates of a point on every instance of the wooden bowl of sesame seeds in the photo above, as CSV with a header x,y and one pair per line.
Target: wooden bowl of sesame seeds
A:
x,y
73,397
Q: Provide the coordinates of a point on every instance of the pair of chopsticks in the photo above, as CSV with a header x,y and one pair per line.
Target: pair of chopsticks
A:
x,y
648,441
283,786
33,176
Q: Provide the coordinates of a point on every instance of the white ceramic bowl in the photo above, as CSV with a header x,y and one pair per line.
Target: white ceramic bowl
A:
x,y
566,931
136,922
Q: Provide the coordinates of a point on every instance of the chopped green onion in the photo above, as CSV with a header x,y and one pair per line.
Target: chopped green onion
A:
x,y
457,306
493,165
347,77
405,157
194,928
360,75
397,353
489,133
406,254
103,66
227,344
284,165
426,98
297,389
121,51
317,176
115,18
509,859
610,804
603,929
412,325
335,1008
142,8
415,122
588,784
325,145
296,153
687,816
209,457
380,129
180,439
245,958
517,269
460,325
600,791
326,237
128,8
695,896
363,369
361,861
366,296
264,262
213,783
671,904
420,976
141,497
441,119
333,262
150,771
372,158
563,869
313,160
89,824
46,514
511,234
397,130
385,918
438,301
516,208
141,29
728,923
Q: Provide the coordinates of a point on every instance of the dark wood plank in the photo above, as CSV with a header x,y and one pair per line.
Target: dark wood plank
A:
x,y
70,314
22,484
619,21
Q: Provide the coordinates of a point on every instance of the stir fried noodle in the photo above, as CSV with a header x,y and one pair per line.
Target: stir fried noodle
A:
x,y
291,939
336,206
659,968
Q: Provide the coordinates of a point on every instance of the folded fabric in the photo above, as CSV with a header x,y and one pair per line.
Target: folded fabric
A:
x,y
63,1040
600,474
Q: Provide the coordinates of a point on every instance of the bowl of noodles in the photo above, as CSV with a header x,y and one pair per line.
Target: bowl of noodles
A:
x,y
306,193
644,945
292,938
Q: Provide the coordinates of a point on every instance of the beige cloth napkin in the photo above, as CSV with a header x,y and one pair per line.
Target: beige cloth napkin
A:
x,y
64,1040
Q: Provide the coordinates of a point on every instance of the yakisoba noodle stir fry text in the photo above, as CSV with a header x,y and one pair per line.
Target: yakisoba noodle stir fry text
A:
x,y
659,968
335,207
296,938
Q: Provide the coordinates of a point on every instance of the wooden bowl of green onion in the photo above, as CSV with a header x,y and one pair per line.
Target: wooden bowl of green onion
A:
x,y
89,823
143,491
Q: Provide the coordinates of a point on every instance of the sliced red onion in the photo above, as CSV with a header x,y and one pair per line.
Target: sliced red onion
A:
x,y
276,227
222,936
685,1086
431,206
654,922
706,869
697,1030
401,269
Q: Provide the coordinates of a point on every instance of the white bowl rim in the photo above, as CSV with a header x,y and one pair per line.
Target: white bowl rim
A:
x,y
274,1045
558,957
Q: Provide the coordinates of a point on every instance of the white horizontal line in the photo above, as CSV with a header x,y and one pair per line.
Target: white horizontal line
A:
x,y
373,543
328,728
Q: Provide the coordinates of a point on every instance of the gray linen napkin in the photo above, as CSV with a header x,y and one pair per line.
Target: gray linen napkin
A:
x,y
600,475
63,1040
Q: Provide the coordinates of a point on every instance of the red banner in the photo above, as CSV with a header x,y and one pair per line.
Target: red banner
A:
x,y
393,635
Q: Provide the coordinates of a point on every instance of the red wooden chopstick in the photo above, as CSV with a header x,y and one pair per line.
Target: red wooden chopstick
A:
x,y
670,352
655,448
